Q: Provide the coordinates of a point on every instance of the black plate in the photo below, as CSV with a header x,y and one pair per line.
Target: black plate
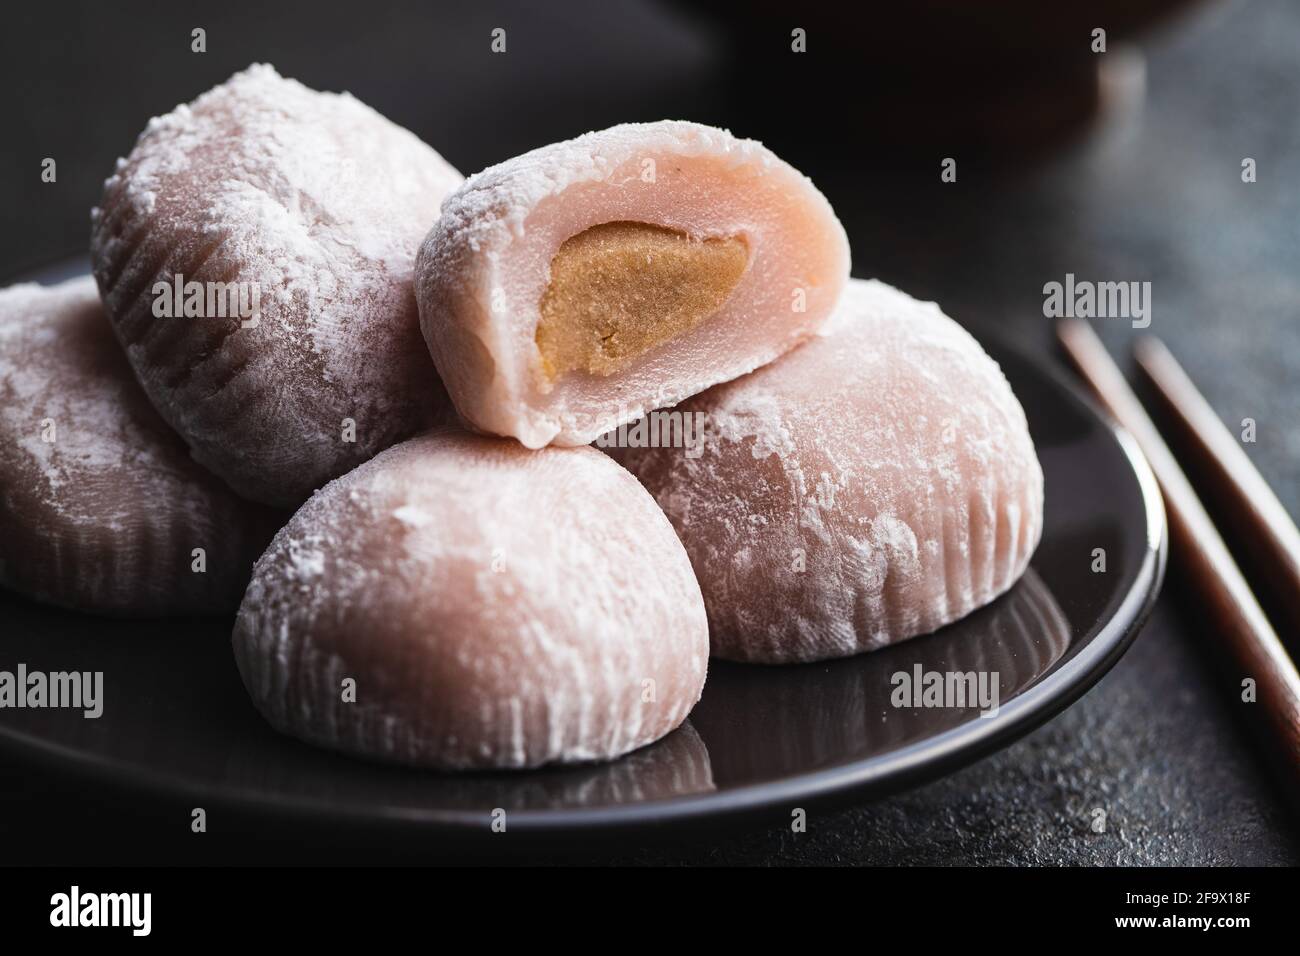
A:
x,y
176,717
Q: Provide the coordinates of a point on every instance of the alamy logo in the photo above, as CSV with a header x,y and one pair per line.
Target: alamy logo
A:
x,y
1098,300
75,908
954,689
207,300
80,690
673,429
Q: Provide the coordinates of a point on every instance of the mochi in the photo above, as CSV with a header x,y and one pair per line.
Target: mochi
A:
x,y
283,224
876,483
101,506
491,607
575,287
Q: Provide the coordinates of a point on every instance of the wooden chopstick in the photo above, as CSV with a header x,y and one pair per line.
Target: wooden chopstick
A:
x,y
1237,495
1240,625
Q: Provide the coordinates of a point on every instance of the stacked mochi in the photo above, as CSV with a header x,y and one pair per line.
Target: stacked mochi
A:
x,y
465,582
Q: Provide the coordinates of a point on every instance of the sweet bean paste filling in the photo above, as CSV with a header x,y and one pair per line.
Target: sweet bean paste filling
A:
x,y
620,288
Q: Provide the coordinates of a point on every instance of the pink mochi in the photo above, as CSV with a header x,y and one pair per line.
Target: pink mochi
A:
x,y
876,483
485,266
102,508
313,205
495,607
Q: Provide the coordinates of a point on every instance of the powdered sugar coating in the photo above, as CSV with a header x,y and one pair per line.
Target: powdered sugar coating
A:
x,y
875,484
496,608
101,505
318,203
483,267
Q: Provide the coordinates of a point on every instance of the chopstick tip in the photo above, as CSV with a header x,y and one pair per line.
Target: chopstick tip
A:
x,y
1074,333
1068,327
1148,347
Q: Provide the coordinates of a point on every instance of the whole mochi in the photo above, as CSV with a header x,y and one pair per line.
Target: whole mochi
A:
x,y
313,203
876,483
495,607
101,507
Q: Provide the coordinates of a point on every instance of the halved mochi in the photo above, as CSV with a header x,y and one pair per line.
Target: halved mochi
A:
x,y
254,252
876,483
576,287
101,507
491,607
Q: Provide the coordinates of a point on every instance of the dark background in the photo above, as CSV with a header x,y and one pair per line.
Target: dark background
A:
x,y
1123,166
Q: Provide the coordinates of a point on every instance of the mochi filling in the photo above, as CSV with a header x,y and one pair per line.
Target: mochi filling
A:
x,y
619,289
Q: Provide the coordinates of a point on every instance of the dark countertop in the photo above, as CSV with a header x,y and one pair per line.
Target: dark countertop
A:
x,y
1151,192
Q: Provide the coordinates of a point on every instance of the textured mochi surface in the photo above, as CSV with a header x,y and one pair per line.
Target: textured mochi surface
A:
x,y
496,607
105,516
318,203
876,483
486,266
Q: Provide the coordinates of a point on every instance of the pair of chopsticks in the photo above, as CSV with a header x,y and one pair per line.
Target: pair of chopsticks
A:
x,y
1242,501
